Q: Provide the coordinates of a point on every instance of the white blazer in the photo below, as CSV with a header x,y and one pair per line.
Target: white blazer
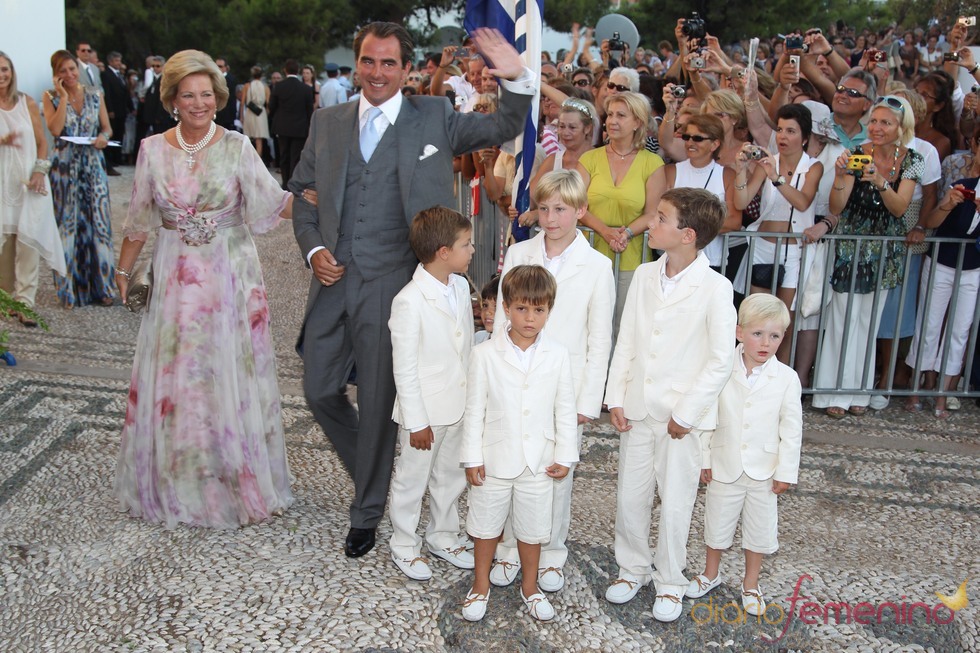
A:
x,y
515,420
760,428
674,355
583,313
430,353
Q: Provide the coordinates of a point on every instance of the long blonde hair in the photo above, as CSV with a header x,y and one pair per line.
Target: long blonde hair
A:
x,y
12,89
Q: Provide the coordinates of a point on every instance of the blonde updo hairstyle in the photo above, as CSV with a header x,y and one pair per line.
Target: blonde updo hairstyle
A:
x,y
637,105
726,101
191,62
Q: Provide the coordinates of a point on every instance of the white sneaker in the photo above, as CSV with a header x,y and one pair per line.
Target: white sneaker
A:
x,y
668,607
753,602
415,568
623,588
538,606
878,402
458,556
701,585
551,579
504,572
475,606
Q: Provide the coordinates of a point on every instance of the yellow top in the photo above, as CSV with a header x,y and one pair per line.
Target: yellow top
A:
x,y
617,206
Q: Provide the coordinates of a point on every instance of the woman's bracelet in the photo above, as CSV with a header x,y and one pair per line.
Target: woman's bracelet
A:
x,y
826,221
629,233
42,165
104,135
742,186
122,271
919,227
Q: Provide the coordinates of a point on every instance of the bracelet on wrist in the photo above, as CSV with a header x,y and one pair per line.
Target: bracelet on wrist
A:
x,y
104,135
742,186
122,271
826,221
629,233
976,67
919,227
828,53
42,165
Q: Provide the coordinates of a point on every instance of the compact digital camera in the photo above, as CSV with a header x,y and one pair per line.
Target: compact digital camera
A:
x,y
856,163
968,21
951,56
794,42
698,62
679,91
755,153
877,56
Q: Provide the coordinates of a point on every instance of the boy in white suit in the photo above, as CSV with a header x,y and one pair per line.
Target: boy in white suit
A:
x,y
519,435
754,454
581,321
672,358
431,336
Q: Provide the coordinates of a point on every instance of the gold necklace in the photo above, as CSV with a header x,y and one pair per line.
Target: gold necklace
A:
x,y
622,157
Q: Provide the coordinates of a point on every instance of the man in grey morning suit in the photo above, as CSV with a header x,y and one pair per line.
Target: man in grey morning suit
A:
x,y
356,239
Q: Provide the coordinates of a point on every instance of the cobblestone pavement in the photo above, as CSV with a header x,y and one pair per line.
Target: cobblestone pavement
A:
x,y
885,514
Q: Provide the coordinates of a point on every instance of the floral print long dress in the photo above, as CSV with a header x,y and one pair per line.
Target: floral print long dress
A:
x,y
203,443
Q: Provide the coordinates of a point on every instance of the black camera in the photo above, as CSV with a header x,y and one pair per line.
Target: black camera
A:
x,y
794,42
679,91
693,27
616,44
951,56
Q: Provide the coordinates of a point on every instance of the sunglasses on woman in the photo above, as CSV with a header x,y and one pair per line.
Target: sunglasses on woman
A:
x,y
892,102
697,138
851,92
617,87
581,82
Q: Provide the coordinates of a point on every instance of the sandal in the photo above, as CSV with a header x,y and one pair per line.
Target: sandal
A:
x,y
940,413
857,411
26,321
913,406
836,412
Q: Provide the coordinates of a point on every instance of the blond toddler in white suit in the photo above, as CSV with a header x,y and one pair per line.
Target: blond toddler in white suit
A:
x,y
672,358
431,327
581,321
754,454
519,436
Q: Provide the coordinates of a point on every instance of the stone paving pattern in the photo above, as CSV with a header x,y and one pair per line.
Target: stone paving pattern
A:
x,y
886,511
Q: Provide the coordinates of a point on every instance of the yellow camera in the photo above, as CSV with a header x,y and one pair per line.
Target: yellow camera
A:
x,y
857,162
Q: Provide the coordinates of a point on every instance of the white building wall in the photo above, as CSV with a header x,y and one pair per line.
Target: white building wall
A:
x,y
30,31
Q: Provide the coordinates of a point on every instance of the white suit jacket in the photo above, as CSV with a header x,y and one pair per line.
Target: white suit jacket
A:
x,y
674,355
583,313
760,428
430,353
515,420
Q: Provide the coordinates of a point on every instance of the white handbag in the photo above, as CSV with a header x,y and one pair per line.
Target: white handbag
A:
x,y
816,280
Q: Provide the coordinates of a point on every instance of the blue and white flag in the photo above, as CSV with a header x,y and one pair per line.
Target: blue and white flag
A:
x,y
520,21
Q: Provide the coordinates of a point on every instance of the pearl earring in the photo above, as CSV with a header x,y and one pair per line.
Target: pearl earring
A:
x,y
176,115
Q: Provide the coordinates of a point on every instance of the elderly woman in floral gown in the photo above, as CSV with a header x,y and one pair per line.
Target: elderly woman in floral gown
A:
x,y
202,443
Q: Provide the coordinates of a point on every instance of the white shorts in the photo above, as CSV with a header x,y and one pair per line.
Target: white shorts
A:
x,y
754,501
765,252
527,499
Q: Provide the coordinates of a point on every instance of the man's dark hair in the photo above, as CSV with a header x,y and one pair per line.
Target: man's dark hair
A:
x,y
291,67
383,30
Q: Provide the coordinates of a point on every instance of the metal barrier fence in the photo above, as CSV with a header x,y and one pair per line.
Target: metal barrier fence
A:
x,y
490,222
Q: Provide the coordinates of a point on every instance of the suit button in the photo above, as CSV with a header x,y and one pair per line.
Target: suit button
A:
x,y
745,426
459,333
525,386
745,446
656,332
527,437
462,384
527,412
649,381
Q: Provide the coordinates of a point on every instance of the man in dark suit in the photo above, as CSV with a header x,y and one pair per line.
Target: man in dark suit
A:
x,y
154,114
376,163
290,108
117,104
226,117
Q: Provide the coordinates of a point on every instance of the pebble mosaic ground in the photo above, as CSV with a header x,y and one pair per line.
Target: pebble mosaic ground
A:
x,y
886,512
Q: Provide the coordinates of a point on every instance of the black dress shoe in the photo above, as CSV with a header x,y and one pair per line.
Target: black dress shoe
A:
x,y
359,541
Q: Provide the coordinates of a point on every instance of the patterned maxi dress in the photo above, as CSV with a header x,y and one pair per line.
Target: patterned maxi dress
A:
x,y
202,443
80,190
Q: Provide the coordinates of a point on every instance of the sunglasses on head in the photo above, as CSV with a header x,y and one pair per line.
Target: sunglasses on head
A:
x,y
892,102
617,87
851,92
697,138
581,82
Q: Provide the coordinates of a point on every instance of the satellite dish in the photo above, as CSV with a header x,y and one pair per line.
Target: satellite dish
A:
x,y
617,23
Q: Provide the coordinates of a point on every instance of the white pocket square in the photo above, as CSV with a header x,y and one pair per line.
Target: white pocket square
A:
x,y
428,151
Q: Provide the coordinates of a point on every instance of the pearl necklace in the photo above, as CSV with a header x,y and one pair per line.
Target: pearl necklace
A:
x,y
622,157
196,147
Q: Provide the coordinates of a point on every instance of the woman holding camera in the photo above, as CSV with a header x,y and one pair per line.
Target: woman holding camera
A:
x,y
788,183
872,189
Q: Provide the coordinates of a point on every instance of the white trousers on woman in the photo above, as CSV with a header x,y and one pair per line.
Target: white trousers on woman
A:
x,y
857,356
19,267
943,286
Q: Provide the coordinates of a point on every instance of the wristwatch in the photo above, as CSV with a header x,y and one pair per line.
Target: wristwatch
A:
x,y
779,181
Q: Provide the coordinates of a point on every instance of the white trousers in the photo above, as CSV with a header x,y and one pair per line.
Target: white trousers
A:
x,y
650,460
934,338
437,470
857,355
19,267
554,553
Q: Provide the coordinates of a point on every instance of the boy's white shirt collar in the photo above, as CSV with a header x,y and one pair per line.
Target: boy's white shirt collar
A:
x,y
667,284
553,265
448,292
757,371
525,356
